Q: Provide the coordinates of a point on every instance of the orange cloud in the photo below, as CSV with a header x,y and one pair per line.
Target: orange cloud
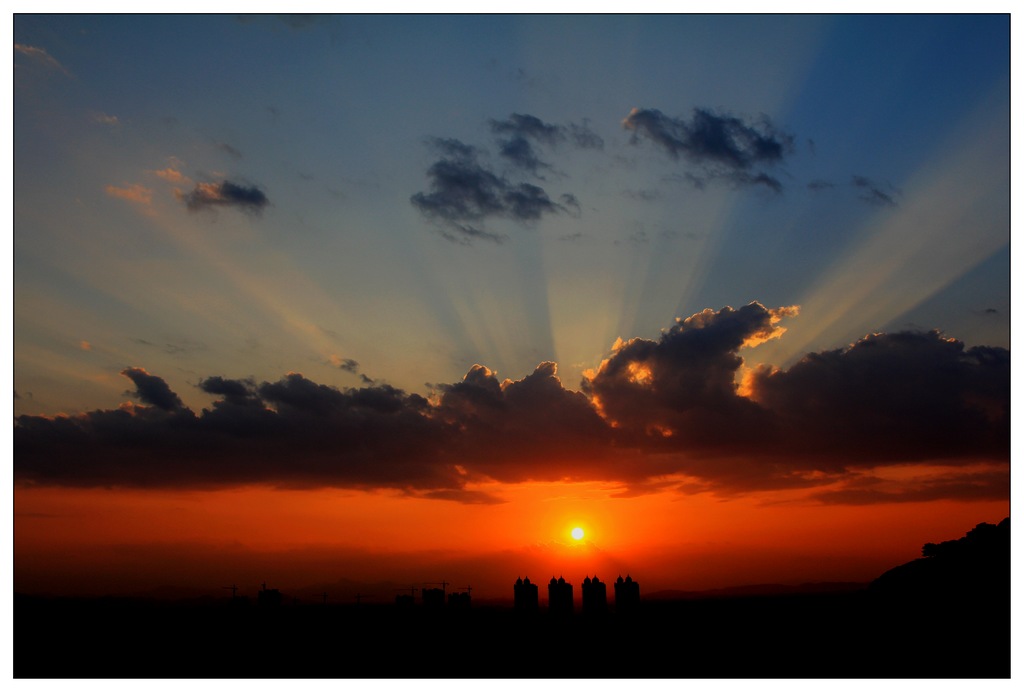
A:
x,y
132,193
772,331
172,175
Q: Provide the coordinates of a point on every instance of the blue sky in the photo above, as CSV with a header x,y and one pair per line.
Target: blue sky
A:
x,y
887,210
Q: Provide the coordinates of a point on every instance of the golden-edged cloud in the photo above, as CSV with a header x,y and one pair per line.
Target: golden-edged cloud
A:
x,y
653,410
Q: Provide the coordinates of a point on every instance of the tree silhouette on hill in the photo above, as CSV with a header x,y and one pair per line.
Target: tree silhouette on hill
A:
x,y
975,567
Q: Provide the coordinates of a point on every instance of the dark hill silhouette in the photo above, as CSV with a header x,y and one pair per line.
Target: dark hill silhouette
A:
x,y
974,567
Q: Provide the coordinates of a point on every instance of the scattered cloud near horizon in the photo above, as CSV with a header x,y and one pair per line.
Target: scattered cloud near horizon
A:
x,y
681,412
225,194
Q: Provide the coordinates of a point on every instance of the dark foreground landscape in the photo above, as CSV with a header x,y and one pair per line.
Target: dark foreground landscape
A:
x,y
946,615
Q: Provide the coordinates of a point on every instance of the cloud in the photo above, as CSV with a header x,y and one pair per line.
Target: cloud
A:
x,y
225,194
720,145
172,175
229,150
519,125
40,56
875,193
571,204
346,364
680,413
518,130
583,137
104,119
137,194
152,390
642,195
869,490
893,397
463,191
680,391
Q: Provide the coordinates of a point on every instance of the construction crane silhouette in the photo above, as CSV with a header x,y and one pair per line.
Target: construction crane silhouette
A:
x,y
324,594
361,596
234,590
460,599
443,584
406,601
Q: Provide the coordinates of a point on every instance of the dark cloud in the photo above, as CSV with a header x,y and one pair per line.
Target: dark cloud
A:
x,y
518,125
520,153
465,234
518,131
583,137
235,392
744,179
680,391
875,193
229,150
536,418
152,390
571,204
710,138
677,412
225,194
720,146
463,191
893,397
989,485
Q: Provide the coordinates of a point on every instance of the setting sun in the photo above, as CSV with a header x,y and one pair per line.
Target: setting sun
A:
x,y
577,534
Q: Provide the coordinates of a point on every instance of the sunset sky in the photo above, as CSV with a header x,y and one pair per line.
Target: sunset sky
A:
x,y
304,299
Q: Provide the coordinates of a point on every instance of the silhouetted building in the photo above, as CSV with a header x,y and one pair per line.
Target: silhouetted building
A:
x,y
627,595
595,596
560,597
459,600
525,595
268,597
433,598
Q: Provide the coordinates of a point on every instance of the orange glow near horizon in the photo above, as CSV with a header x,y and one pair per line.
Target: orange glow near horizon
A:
x,y
667,539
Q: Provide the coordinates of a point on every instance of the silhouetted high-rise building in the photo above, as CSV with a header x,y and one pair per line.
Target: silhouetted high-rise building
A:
x,y
459,600
595,597
525,595
627,595
560,597
268,597
433,598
